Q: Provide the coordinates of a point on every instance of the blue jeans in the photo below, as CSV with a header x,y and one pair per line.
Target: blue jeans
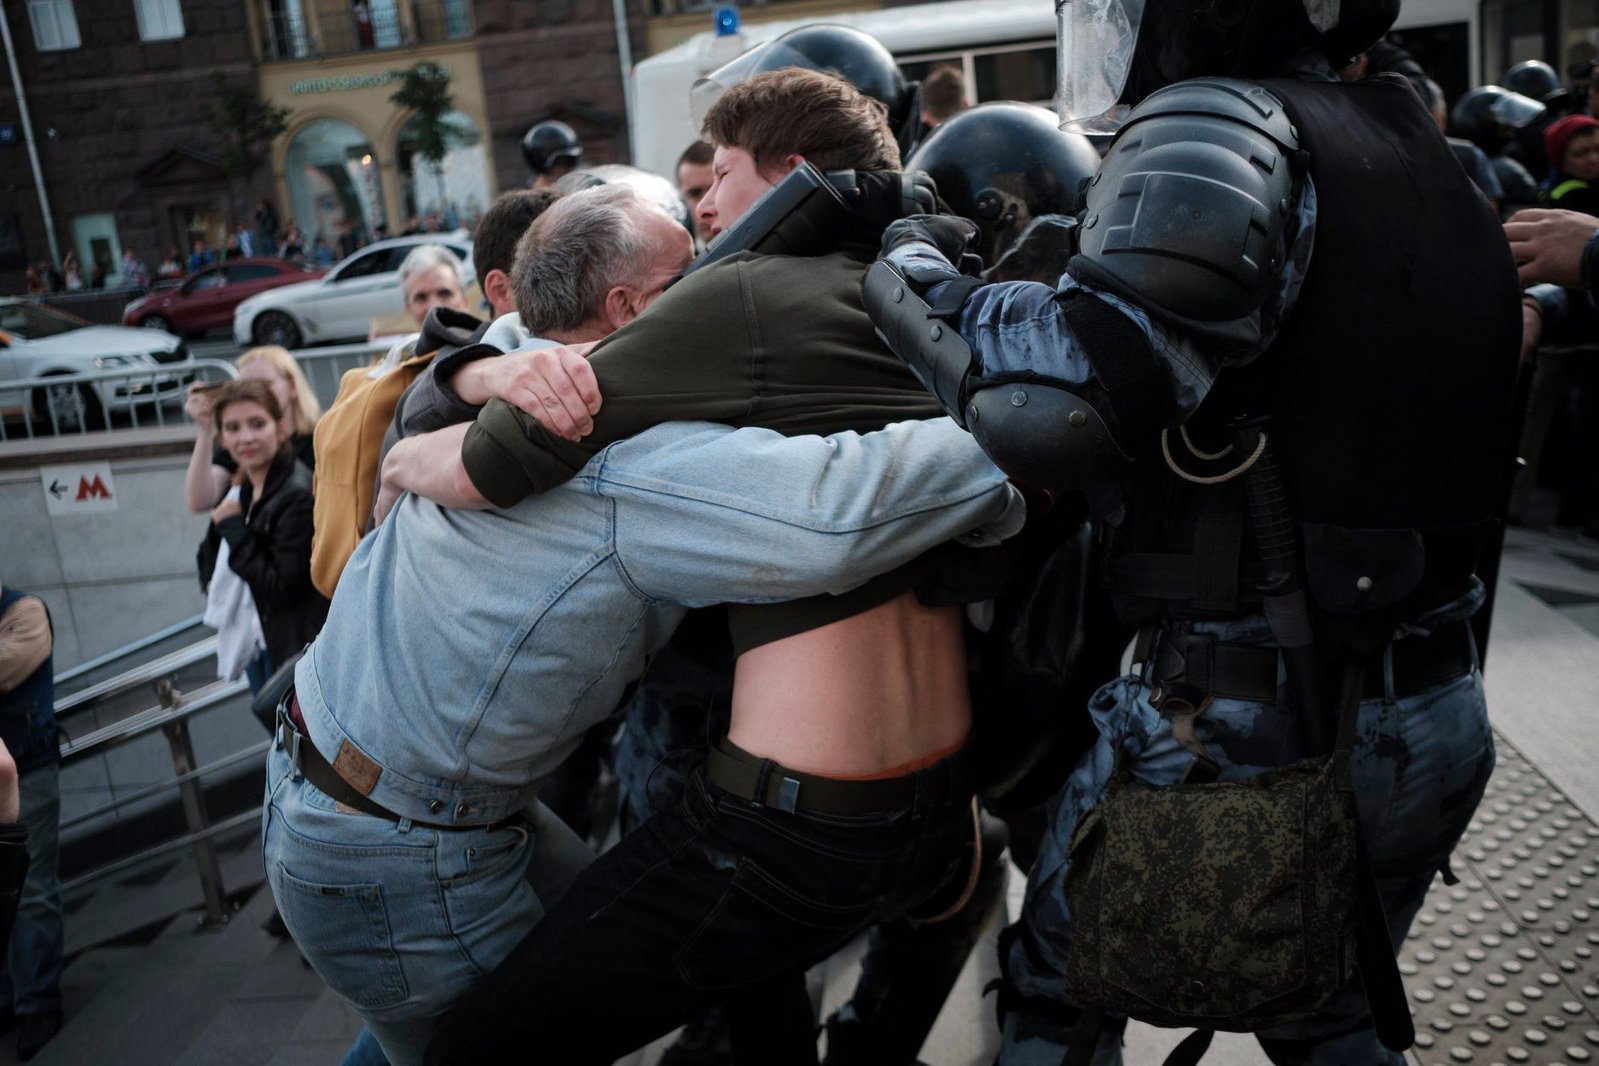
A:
x,y
397,919
30,981
1420,765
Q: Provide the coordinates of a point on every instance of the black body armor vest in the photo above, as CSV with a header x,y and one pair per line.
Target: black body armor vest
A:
x,y
1388,390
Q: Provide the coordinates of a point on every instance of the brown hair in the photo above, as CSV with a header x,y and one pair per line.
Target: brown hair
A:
x,y
698,154
791,111
502,225
246,390
943,93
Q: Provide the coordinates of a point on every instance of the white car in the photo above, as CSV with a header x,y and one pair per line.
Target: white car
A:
x,y
39,341
340,305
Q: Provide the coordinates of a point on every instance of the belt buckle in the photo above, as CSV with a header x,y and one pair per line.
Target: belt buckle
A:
x,y
289,738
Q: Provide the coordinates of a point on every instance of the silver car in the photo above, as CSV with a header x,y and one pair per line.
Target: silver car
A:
x,y
340,305
37,341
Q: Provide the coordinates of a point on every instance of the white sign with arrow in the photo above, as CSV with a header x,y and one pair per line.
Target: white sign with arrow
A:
x,y
86,488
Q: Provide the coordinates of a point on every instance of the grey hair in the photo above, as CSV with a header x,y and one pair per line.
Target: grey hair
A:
x,y
424,257
584,245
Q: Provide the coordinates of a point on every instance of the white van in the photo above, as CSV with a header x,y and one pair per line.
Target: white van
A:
x,y
1006,49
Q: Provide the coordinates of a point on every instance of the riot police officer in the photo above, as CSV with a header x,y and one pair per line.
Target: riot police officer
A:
x,y
1254,244
1003,165
857,57
552,150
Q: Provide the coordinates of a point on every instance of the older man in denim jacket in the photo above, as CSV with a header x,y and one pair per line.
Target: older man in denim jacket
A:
x,y
467,652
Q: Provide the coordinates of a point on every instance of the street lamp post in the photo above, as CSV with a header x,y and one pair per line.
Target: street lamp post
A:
x,y
27,137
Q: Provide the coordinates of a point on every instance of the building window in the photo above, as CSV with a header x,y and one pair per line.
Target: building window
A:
x,y
55,24
452,193
159,20
333,186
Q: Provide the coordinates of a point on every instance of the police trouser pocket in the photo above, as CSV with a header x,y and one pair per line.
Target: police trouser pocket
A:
x,y
1221,906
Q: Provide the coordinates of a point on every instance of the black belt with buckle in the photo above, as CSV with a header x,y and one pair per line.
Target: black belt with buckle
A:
x,y
1198,665
750,777
315,768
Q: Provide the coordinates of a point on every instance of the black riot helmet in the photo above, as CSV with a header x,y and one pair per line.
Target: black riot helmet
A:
x,y
1003,165
547,144
1534,78
857,57
1490,115
1113,53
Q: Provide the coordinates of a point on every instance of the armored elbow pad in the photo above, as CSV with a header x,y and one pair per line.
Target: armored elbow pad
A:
x,y
1042,434
1034,429
1187,214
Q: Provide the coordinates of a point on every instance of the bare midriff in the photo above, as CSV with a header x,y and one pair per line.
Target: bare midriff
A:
x,y
859,696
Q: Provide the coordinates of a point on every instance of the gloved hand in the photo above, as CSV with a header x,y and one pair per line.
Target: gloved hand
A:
x,y
952,237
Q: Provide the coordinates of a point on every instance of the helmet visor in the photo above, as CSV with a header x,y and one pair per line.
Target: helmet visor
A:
x,y
1097,39
1515,111
773,55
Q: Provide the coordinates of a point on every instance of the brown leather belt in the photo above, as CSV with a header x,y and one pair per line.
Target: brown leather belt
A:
x,y
315,768
770,784
1249,672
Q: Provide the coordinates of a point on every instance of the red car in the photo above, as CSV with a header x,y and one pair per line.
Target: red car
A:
x,y
205,299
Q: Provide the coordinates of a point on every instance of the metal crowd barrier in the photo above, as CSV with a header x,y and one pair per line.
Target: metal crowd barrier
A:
x,y
101,306
324,367
150,673
131,648
171,718
146,396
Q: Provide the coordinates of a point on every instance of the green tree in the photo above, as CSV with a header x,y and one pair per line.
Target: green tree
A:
x,y
425,90
245,126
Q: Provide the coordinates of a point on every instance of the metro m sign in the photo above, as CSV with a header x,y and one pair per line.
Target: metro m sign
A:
x,y
86,488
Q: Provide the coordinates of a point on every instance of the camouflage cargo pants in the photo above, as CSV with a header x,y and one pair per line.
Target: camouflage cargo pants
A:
x,y
1420,765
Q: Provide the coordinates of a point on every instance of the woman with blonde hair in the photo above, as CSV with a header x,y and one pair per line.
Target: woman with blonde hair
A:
x,y
210,467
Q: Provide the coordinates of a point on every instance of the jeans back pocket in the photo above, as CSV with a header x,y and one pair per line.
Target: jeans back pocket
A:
x,y
344,931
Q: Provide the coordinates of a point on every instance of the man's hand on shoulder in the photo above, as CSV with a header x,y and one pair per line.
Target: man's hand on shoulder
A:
x,y
1548,245
554,386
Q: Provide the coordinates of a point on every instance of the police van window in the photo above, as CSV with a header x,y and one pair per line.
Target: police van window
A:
x,y
1024,71
1025,75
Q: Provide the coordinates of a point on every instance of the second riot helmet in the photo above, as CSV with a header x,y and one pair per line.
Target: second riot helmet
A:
x,y
856,57
1004,164
1533,78
549,143
1489,115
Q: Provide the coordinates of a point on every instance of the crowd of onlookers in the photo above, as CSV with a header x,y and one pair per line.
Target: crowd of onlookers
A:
x,y
1533,142
266,238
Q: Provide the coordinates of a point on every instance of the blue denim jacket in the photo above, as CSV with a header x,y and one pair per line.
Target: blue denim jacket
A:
x,y
466,652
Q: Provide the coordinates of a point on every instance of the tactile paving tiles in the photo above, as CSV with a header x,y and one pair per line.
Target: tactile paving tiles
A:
x,y
1503,967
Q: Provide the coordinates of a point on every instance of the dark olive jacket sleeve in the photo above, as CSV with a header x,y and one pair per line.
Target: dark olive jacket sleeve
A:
x,y
687,357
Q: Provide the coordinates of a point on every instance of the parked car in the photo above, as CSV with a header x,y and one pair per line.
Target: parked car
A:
x,y
38,341
205,300
341,305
